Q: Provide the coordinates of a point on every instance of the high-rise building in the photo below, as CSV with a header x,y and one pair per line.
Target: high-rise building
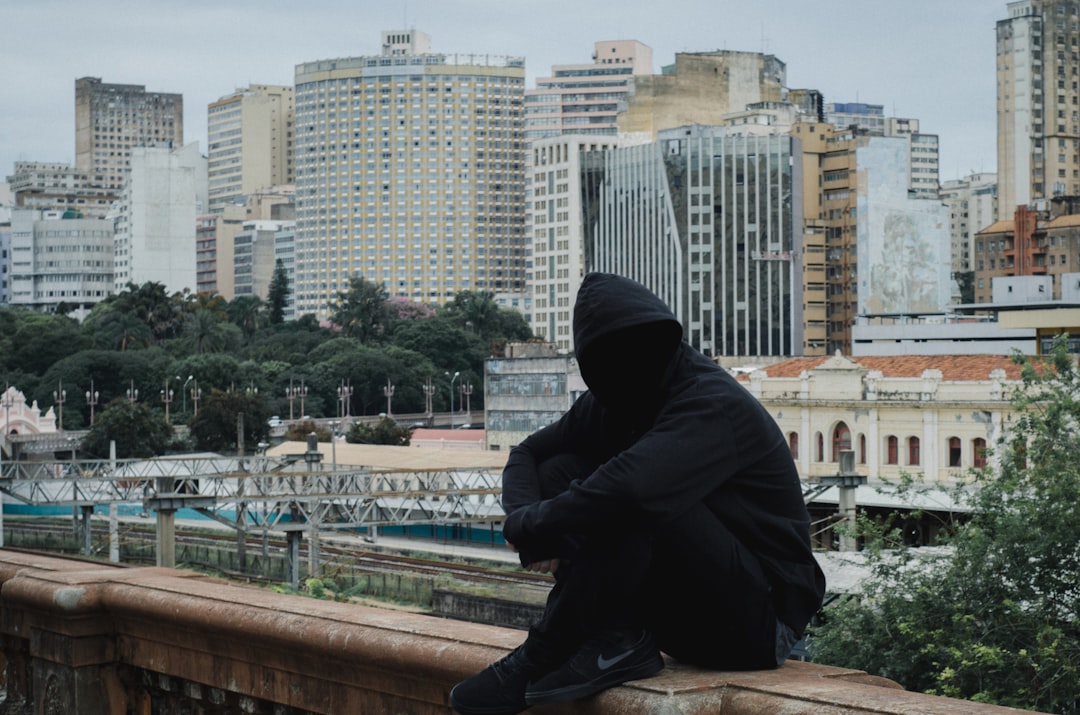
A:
x,y
249,143
709,222
923,173
972,203
702,88
558,253
870,246
409,173
1038,121
586,98
255,255
60,258
156,218
51,186
113,119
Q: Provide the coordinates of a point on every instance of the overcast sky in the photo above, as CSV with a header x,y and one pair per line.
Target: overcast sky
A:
x,y
932,60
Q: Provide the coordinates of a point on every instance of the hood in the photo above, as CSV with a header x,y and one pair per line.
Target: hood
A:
x,y
624,338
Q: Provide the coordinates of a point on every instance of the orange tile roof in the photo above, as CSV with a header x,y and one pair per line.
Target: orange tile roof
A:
x,y
953,367
999,227
1065,222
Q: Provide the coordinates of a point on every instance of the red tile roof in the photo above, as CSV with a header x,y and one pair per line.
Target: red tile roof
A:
x,y
953,367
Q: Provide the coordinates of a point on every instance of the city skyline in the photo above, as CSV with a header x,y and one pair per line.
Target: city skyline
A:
x,y
935,64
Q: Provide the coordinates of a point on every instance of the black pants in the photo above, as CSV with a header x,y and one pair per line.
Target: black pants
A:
x,y
690,582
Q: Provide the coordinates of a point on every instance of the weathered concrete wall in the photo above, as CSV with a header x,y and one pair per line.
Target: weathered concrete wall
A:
x,y
101,640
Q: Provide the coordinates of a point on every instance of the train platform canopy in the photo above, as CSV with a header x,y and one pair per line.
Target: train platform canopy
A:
x,y
390,457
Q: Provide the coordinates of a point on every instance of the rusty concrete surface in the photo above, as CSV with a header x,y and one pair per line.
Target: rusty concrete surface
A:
x,y
80,631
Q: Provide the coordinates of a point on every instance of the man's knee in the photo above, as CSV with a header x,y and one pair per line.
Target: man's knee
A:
x,y
557,472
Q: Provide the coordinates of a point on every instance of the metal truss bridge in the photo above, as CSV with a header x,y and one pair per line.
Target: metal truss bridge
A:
x,y
297,494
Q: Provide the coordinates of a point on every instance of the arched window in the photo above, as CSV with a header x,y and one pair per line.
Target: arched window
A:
x,y
793,444
841,441
978,451
820,448
913,450
954,451
891,449
862,449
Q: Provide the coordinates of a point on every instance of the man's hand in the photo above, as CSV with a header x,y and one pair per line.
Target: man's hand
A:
x,y
547,566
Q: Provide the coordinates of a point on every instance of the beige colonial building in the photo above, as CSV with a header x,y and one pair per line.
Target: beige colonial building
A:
x,y
928,416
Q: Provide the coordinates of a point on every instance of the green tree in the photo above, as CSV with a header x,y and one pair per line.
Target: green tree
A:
x,y
247,312
137,430
385,431
215,427
363,311
37,340
118,330
205,332
992,617
278,295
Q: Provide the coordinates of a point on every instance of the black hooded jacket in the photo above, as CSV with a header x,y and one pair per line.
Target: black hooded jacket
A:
x,y
670,429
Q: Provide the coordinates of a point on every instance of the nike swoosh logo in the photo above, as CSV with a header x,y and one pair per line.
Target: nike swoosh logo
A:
x,y
604,663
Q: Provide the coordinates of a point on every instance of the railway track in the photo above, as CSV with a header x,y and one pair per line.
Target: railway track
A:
x,y
138,540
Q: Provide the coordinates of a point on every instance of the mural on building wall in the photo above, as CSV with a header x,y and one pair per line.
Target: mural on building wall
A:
x,y
903,243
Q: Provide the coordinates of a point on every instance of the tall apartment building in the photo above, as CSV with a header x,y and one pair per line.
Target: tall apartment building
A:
x,y
60,259
702,88
254,256
1038,88
51,186
586,98
113,119
156,220
973,204
711,223
285,251
870,245
409,173
249,143
923,169
555,217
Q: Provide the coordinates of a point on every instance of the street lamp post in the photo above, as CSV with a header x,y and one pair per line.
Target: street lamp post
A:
x,y
429,393
92,396
132,393
183,392
345,393
167,398
196,394
465,389
389,392
60,397
454,377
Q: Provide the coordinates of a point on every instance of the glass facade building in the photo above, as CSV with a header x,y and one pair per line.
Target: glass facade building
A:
x,y
710,222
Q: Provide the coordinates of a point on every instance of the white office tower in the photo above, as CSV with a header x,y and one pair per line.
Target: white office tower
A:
x,y
157,218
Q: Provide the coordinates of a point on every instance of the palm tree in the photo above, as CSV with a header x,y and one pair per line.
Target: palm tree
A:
x,y
123,330
204,331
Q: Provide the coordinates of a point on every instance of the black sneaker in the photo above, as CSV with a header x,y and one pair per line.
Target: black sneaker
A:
x,y
498,689
607,660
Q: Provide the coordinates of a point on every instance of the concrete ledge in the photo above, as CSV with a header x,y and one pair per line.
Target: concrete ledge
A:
x,y
101,639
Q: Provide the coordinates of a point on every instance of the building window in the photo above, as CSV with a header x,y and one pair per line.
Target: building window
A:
x,y
862,449
913,451
978,449
954,451
793,444
820,448
841,441
891,450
